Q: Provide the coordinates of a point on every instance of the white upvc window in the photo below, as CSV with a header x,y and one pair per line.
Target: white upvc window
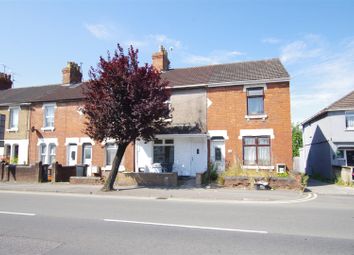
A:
x,y
349,120
48,116
111,150
13,118
43,153
52,153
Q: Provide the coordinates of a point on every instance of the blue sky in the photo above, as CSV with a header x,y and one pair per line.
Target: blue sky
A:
x,y
314,39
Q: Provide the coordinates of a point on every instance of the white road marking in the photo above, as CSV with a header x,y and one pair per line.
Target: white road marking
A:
x,y
188,226
18,213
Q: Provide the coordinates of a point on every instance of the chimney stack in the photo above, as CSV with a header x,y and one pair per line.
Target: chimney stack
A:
x,y
72,73
160,60
5,81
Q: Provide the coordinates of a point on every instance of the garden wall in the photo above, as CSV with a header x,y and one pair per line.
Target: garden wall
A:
x,y
274,182
147,179
19,173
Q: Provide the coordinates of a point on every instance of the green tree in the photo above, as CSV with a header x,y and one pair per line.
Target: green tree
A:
x,y
297,139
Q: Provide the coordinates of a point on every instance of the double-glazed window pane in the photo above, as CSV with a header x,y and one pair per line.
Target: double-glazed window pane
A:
x,y
255,101
14,117
49,116
43,153
111,150
250,157
249,140
52,153
263,155
349,119
255,105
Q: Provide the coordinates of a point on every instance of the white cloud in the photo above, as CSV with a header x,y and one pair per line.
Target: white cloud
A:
x,y
271,40
100,31
322,73
215,57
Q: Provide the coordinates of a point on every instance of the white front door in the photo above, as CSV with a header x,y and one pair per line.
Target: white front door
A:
x,y
217,154
72,154
87,154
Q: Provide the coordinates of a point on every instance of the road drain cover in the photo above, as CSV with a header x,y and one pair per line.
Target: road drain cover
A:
x,y
161,198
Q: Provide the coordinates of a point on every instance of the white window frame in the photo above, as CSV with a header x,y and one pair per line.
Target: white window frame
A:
x,y
11,110
50,154
106,152
351,114
45,127
43,154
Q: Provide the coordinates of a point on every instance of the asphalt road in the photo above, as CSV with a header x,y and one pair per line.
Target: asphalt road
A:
x,y
67,224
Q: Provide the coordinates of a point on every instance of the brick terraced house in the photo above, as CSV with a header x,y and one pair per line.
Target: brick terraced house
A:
x,y
227,114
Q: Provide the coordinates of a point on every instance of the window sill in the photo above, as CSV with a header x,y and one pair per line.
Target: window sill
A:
x,y
349,129
258,116
258,167
12,130
48,129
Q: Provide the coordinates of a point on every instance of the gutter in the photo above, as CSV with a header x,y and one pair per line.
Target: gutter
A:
x,y
232,83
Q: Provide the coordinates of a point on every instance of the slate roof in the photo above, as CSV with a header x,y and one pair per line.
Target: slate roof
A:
x,y
342,104
234,72
271,69
46,93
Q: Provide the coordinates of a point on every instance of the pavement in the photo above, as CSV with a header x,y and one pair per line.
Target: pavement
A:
x,y
324,188
208,194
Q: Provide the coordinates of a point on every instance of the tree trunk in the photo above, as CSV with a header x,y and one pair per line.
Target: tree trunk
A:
x,y
108,186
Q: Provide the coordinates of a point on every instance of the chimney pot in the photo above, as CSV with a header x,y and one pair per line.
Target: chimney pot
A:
x,y
160,60
72,73
5,81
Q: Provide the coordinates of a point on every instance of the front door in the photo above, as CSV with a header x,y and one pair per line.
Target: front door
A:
x,y
72,154
350,158
217,154
87,154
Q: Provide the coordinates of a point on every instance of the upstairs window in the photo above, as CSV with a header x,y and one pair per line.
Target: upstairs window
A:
x,y
49,115
349,120
255,101
14,112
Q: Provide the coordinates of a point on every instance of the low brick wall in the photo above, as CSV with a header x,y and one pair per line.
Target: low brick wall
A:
x,y
19,173
86,180
62,173
147,179
201,179
274,182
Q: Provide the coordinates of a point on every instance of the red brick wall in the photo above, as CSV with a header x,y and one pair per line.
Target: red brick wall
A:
x,y
228,110
68,123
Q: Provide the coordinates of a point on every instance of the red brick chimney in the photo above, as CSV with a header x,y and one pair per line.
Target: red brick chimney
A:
x,y
160,60
5,81
72,73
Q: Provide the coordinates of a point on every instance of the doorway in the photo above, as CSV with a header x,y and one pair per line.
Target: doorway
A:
x,y
350,157
217,154
72,154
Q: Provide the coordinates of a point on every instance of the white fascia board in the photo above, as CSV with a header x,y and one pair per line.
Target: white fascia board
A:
x,y
181,135
232,83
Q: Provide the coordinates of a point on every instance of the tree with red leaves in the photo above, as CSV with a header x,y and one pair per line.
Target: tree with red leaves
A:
x,y
124,101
